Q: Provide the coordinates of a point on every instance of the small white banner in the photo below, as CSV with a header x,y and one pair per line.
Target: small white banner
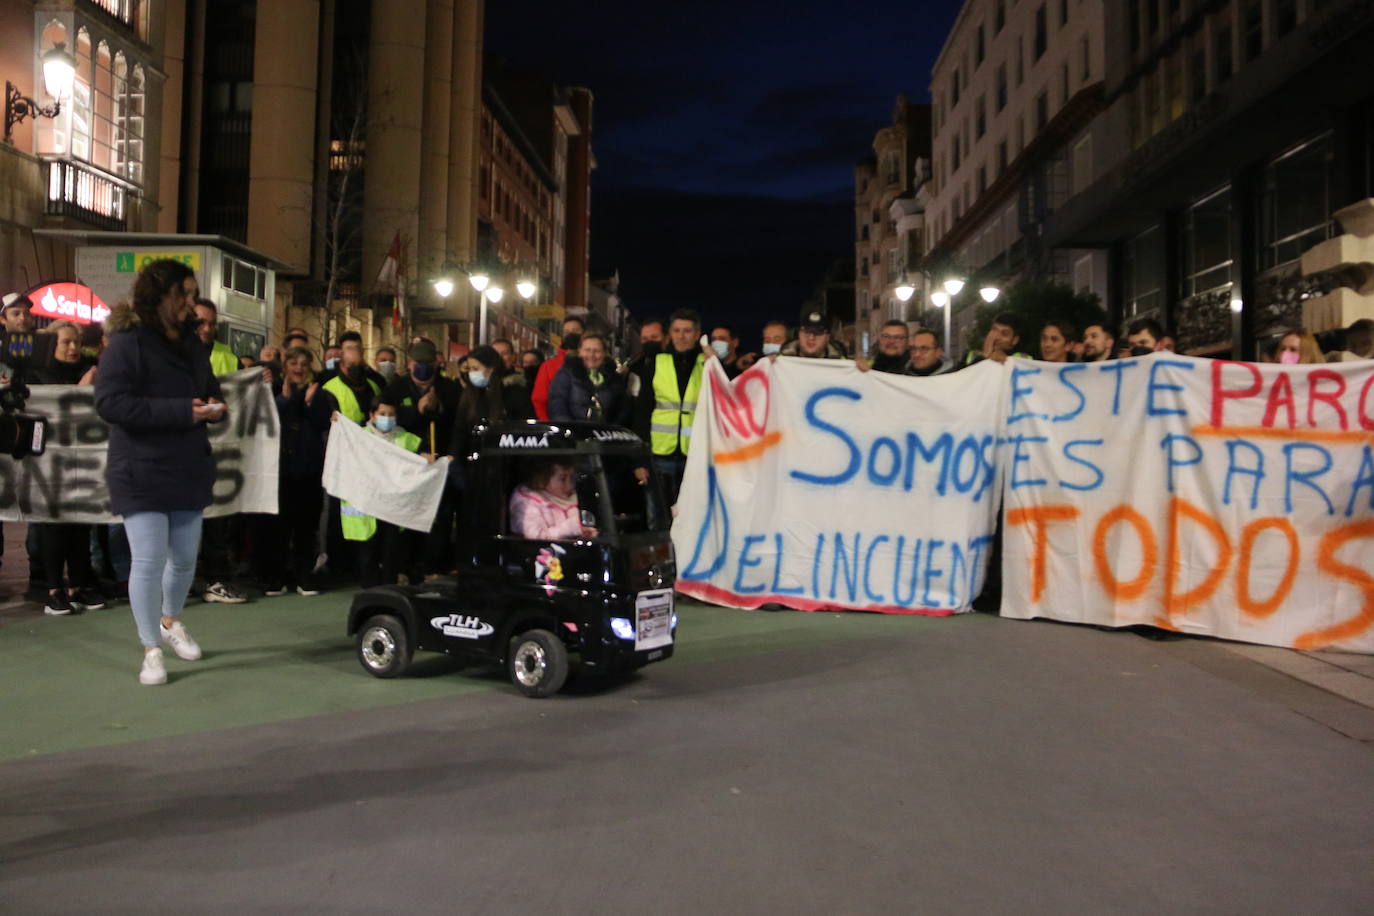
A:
x,y
381,479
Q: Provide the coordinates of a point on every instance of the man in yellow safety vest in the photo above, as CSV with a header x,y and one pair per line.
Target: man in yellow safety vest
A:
x,y
667,400
351,388
222,359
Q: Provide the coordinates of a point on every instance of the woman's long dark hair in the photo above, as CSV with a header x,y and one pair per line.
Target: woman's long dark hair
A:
x,y
154,282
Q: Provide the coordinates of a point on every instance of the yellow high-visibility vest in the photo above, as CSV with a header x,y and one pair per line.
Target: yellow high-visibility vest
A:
x,y
356,525
670,425
222,359
348,401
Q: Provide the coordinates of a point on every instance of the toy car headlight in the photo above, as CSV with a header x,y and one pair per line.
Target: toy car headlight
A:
x,y
674,623
622,627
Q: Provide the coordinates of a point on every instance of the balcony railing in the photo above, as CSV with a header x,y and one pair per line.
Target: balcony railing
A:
x,y
86,194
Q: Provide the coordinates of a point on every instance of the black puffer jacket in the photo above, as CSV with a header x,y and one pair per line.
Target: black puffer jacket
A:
x,y
572,391
159,458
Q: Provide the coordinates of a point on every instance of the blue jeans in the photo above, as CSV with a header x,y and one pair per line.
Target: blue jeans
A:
x,y
164,547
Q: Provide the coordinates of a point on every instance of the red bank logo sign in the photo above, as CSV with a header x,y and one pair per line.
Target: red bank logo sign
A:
x,y
71,301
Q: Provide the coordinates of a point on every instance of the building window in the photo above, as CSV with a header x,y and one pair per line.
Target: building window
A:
x,y
1207,244
1041,33
1143,273
1000,99
978,47
999,16
1063,12
1042,111
954,92
954,154
1001,157
1222,55
1173,89
1295,203
980,121
1020,72
1285,17
982,179
1252,34
1064,82
1197,74
1133,26
1082,164
1086,56
1152,15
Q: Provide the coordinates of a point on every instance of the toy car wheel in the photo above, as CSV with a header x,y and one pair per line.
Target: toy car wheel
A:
x,y
383,648
538,663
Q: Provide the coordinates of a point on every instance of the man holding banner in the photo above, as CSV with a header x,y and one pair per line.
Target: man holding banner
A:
x,y
668,400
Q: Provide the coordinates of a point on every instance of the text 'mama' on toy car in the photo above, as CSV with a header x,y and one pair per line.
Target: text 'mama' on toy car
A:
x,y
540,605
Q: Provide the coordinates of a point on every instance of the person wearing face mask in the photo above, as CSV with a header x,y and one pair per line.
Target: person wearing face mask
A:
x,y
383,546
651,335
493,394
588,388
539,395
530,361
156,391
1299,347
426,405
726,346
332,355
386,364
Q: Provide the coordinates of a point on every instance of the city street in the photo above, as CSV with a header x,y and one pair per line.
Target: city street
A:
x,y
779,762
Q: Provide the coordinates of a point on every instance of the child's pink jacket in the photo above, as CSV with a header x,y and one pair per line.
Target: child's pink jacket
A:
x,y
538,514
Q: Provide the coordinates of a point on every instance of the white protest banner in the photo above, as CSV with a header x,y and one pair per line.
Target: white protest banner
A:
x,y
813,485
67,482
1212,497
381,479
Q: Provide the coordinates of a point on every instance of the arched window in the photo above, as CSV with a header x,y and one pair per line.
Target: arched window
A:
x,y
134,104
102,121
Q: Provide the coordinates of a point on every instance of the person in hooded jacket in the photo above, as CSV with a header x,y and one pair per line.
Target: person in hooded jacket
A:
x,y
588,387
156,391
539,394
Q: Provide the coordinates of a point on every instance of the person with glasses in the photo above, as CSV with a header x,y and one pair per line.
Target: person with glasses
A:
x,y
893,342
927,355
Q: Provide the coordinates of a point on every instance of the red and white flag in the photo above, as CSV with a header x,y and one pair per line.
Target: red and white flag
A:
x,y
392,279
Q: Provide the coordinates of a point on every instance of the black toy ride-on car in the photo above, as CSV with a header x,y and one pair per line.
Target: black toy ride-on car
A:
x,y
540,606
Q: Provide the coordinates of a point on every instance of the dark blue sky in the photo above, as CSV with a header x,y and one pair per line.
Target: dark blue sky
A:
x,y
726,133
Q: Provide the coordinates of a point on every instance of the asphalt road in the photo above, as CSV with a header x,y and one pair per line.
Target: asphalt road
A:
x,y
781,763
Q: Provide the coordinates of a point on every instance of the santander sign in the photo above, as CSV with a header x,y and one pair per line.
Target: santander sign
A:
x,y
72,301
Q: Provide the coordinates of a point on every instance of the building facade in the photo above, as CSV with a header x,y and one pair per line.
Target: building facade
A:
x,y
888,224
1231,132
108,159
1014,90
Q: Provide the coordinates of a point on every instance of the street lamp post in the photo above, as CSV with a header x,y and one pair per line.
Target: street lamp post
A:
x,y
59,72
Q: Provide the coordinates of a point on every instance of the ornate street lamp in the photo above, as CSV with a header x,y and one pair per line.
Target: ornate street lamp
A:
x,y
59,70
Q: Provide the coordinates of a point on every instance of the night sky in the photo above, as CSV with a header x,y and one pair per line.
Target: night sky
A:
x,y
726,134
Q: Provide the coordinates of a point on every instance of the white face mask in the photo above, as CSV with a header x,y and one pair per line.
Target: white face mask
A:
x,y
384,424
331,363
769,349
721,347
478,379
387,368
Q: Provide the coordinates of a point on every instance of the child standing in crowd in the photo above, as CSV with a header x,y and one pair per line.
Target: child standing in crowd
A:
x,y
156,391
381,543
545,506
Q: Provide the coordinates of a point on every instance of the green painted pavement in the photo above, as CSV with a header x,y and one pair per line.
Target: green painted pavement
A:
x,y
72,682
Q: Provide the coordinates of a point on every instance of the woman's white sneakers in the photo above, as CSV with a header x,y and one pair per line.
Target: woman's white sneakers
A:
x,y
180,641
153,672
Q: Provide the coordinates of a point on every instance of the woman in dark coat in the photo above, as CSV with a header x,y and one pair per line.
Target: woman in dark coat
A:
x,y
493,394
290,534
66,545
157,392
587,387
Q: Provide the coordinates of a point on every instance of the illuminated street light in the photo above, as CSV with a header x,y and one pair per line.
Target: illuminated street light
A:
x,y
989,294
444,287
494,293
953,286
939,299
59,71
905,291
479,280
1237,305
526,288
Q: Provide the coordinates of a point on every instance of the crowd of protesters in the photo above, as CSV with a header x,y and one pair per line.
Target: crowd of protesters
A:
x,y
155,372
